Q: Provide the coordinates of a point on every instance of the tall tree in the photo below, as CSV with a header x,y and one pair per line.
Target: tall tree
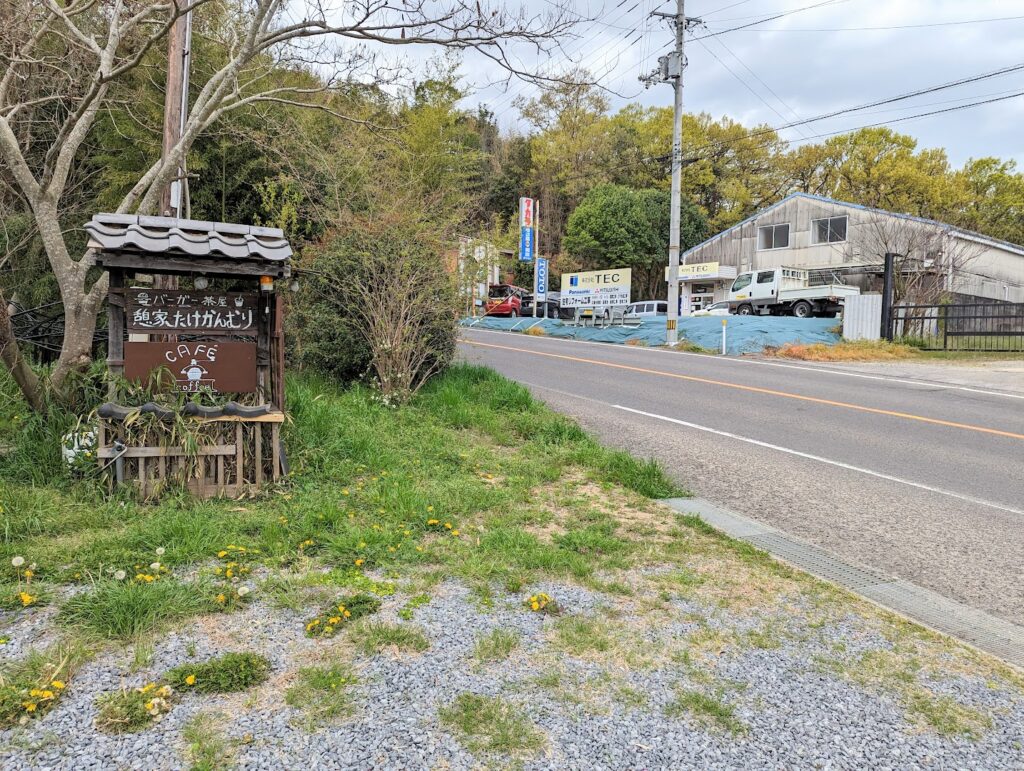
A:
x,y
619,227
63,63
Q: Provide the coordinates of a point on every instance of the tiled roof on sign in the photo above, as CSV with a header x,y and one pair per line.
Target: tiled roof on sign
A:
x,y
195,238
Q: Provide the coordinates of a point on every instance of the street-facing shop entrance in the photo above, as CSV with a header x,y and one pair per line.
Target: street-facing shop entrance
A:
x,y
702,284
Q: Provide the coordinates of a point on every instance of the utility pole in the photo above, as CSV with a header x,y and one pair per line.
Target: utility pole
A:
x,y
670,70
174,197
179,44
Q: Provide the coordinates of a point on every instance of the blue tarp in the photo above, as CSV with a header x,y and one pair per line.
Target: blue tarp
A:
x,y
744,334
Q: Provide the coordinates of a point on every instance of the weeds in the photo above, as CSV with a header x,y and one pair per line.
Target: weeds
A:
x,y
375,637
491,724
845,350
322,693
224,674
709,708
208,750
497,645
132,710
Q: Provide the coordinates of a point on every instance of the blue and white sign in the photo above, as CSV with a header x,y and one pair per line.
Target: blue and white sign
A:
x,y
526,244
541,289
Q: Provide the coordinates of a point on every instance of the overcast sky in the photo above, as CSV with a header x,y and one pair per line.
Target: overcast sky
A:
x,y
808,63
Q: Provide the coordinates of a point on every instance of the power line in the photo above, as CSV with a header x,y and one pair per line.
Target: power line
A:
x,y
770,18
872,29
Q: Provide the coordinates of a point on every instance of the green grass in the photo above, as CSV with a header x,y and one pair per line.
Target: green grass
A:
x,y
496,645
377,636
707,708
208,749
580,635
491,724
323,693
125,609
223,674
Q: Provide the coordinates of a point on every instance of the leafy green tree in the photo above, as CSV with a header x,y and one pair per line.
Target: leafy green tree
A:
x,y
618,227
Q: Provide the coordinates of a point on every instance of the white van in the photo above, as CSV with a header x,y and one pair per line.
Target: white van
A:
x,y
646,309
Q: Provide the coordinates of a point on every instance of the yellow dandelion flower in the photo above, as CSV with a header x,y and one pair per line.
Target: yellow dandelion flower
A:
x,y
29,706
26,599
448,525
359,562
190,680
222,554
535,605
433,522
455,533
344,491
58,684
334,620
28,574
346,614
221,599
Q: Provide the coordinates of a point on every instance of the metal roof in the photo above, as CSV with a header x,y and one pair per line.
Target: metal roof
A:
x,y
950,229
194,238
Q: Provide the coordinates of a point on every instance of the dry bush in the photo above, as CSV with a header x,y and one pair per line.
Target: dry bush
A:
x,y
861,350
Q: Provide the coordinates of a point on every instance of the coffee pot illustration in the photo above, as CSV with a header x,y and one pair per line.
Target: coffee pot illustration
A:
x,y
194,371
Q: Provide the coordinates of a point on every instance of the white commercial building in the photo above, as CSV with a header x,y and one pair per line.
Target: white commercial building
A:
x,y
849,240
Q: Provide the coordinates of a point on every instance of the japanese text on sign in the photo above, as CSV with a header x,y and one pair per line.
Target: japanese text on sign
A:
x,y
596,288
190,311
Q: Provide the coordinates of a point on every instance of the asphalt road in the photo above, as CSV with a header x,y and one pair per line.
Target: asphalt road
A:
x,y
921,479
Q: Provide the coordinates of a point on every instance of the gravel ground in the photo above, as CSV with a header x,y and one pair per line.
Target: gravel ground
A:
x,y
794,713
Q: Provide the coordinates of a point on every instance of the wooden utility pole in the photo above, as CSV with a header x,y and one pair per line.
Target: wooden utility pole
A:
x,y
175,109
174,195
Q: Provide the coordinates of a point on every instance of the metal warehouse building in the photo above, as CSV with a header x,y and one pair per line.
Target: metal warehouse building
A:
x,y
836,238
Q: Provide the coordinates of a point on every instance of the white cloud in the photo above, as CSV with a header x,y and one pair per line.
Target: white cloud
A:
x,y
811,72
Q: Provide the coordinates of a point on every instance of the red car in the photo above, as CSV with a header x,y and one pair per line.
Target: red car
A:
x,y
505,300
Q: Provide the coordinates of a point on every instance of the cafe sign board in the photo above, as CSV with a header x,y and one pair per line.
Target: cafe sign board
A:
x,y
152,310
228,367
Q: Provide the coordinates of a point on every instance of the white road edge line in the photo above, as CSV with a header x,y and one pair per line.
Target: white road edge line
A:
x,y
819,459
823,370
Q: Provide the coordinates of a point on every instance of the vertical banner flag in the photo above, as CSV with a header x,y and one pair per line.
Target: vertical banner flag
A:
x,y
526,229
541,290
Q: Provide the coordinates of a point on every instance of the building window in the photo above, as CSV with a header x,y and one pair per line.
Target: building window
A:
x,y
828,230
773,237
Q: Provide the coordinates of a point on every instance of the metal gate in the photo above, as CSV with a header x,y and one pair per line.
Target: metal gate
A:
x,y
997,327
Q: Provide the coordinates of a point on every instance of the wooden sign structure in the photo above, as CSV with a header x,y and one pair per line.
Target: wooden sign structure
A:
x,y
224,342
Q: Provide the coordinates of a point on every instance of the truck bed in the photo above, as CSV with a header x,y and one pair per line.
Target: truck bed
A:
x,y
817,292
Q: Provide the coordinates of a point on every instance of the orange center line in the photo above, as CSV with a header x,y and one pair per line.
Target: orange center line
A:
x,y
756,389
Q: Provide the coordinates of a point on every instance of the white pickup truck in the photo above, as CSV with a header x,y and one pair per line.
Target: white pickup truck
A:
x,y
786,292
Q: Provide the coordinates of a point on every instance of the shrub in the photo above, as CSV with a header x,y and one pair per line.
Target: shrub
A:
x,y
380,302
224,674
132,710
344,611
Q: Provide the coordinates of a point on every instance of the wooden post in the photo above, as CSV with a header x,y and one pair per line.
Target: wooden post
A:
x,y
115,328
239,459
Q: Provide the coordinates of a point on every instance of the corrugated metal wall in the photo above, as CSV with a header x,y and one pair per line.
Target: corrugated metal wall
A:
x,y
862,317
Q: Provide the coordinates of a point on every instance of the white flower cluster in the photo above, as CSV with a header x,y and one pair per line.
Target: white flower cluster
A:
x,y
79,448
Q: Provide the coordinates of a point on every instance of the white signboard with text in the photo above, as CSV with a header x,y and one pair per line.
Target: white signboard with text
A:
x,y
596,288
